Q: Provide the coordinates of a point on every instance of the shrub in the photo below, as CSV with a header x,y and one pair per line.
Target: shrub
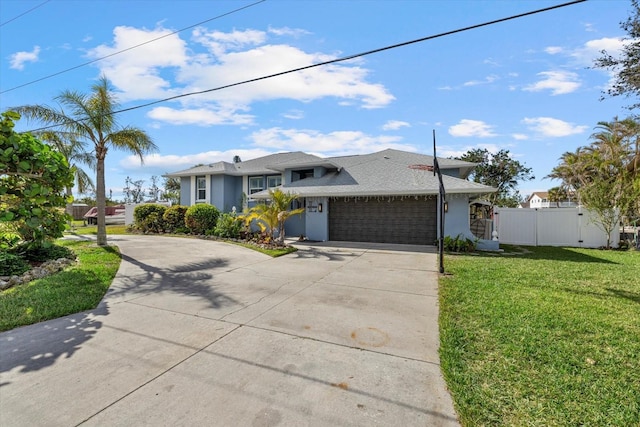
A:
x,y
11,264
149,217
458,244
174,218
200,218
46,253
228,226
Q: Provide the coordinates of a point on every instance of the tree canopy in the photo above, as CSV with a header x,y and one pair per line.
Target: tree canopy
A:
x,y
33,179
500,171
92,118
626,67
605,174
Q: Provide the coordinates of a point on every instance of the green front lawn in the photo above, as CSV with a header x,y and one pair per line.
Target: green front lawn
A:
x,y
75,289
547,337
78,227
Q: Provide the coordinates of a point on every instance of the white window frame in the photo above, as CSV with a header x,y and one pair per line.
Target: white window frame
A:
x,y
274,177
201,179
255,188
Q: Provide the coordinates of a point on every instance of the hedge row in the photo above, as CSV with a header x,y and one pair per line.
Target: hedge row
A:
x,y
197,219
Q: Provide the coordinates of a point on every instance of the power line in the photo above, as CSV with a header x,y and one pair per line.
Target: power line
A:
x,y
130,48
24,13
333,61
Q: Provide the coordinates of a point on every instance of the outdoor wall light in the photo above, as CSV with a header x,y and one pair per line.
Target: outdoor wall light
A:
x,y
446,207
319,207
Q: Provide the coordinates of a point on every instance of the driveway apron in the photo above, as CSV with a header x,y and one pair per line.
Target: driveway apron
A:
x,y
196,332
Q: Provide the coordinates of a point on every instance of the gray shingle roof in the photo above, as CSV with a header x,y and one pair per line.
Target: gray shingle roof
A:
x,y
386,172
261,165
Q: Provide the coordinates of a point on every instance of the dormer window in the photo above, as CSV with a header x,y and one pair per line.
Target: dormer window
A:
x,y
297,175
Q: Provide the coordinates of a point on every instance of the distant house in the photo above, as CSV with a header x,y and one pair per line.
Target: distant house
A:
x,y
388,196
112,215
540,199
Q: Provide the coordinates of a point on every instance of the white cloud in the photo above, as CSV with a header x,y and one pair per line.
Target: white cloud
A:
x,y
472,128
137,73
294,114
558,82
170,66
18,59
550,127
219,42
553,50
286,31
173,163
489,79
395,125
592,49
336,143
447,151
519,136
200,116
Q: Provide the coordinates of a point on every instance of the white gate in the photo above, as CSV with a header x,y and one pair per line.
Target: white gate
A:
x,y
550,227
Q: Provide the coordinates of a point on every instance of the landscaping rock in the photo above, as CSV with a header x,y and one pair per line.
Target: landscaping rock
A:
x,y
45,269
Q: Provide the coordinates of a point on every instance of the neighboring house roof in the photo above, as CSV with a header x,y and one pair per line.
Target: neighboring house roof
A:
x,y
261,165
388,172
540,194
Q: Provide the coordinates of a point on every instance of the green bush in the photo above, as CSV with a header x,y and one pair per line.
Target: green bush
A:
x,y
11,264
149,217
228,226
46,253
174,218
459,244
200,218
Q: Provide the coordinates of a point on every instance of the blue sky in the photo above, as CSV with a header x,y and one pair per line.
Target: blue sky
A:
x,y
523,85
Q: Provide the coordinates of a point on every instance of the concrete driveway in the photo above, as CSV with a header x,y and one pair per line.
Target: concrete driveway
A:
x,y
195,333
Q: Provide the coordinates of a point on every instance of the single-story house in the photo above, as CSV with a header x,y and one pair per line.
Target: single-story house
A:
x,y
388,196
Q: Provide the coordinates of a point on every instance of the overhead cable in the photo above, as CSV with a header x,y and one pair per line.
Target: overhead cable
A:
x,y
24,13
332,61
131,47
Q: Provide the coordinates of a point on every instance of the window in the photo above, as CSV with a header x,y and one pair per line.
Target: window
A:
x,y
301,174
256,184
201,188
274,181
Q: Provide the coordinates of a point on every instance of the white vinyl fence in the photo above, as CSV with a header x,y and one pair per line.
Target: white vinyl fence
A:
x,y
550,227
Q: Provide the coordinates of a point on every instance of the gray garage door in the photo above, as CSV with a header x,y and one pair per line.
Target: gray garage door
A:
x,y
397,221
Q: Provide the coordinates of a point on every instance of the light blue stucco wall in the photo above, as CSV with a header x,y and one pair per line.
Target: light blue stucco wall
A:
x,y
185,190
456,221
317,223
296,225
226,192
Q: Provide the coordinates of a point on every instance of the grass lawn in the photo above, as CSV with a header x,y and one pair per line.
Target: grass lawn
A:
x,y
78,227
75,289
545,338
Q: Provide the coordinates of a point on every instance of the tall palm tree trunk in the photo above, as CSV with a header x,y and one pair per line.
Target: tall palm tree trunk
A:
x,y
101,198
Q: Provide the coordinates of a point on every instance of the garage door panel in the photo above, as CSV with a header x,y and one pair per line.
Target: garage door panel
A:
x,y
383,221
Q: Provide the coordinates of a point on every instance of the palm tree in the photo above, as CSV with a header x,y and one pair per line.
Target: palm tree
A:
x,y
74,151
272,216
281,202
92,118
557,195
